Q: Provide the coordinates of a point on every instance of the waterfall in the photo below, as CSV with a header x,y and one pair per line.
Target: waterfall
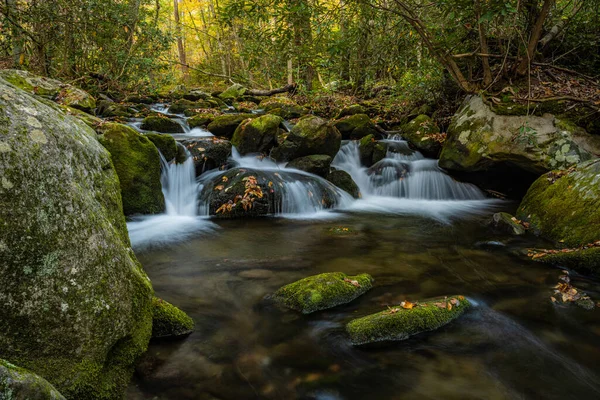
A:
x,y
179,186
403,173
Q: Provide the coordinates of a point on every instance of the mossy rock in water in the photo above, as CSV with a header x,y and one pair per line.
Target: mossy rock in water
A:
x,y
169,321
317,164
19,384
225,125
208,153
75,302
257,135
161,123
232,92
111,109
503,223
564,206
137,163
420,132
181,106
245,106
311,135
282,106
344,181
200,120
196,94
480,140
166,144
356,127
58,91
323,291
399,323
371,151
351,110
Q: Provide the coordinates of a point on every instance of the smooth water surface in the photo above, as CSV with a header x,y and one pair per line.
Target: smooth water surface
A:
x,y
515,344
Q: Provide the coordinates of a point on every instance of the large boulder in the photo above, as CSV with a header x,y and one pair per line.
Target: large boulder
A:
x,y
233,92
311,135
344,181
75,304
166,144
479,139
323,291
208,153
406,320
183,105
225,125
564,206
19,384
137,163
282,106
257,135
200,120
161,123
109,108
351,110
60,92
424,135
371,151
317,164
356,127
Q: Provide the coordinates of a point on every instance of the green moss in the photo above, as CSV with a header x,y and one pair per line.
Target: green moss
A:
x,y
356,126
351,110
200,120
565,208
344,181
503,222
323,291
282,106
233,92
137,163
225,125
311,135
398,323
166,144
257,135
586,260
169,321
317,164
161,123
20,384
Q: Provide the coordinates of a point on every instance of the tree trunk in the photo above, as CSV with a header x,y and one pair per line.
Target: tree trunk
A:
x,y
487,72
257,92
534,38
179,34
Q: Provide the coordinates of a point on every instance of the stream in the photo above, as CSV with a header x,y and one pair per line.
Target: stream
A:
x,y
418,232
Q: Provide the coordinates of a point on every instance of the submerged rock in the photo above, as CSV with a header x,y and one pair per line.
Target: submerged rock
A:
x,y
420,132
208,153
169,321
317,164
161,123
225,125
19,384
564,206
323,291
60,92
344,181
75,304
311,135
257,135
356,127
137,163
479,139
399,323
504,223
166,144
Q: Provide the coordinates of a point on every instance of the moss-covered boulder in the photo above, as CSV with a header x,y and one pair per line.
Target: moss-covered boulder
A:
x,y
161,123
371,151
344,181
245,106
139,99
200,120
479,139
317,164
356,127
225,125
169,321
311,135
209,153
137,163
19,384
423,133
75,304
257,135
109,109
564,206
351,110
403,321
166,144
196,94
282,106
505,223
60,92
183,105
323,291
232,92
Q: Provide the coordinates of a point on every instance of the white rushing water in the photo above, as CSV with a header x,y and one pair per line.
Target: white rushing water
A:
x,y
181,218
405,182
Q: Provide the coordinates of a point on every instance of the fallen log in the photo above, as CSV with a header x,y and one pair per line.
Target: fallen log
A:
x,y
289,88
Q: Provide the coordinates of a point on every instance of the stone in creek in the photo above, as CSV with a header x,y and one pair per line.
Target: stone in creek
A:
x,y
503,223
323,291
169,321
